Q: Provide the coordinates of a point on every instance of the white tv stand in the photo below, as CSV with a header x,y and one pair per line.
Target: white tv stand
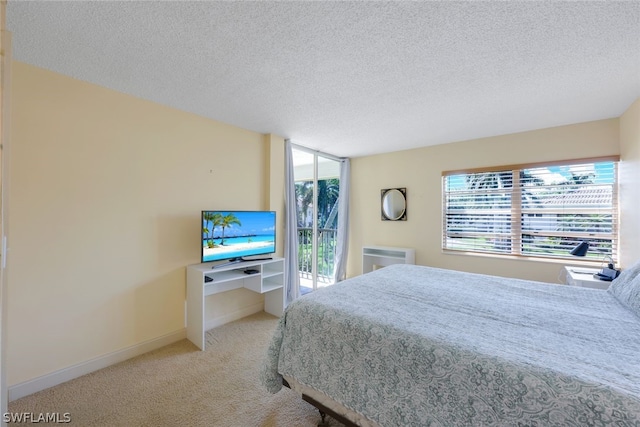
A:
x,y
269,280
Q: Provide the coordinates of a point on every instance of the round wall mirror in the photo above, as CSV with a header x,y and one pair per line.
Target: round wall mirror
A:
x,y
394,204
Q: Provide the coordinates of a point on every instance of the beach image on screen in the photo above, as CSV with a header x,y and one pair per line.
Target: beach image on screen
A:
x,y
235,234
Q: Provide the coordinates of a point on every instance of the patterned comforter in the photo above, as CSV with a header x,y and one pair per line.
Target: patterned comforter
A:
x,y
417,346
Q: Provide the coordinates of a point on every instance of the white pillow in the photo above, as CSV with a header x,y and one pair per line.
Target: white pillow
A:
x,y
626,287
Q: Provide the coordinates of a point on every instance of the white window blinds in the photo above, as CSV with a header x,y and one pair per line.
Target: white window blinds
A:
x,y
541,210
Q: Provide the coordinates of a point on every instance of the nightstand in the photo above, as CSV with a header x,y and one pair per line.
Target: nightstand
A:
x,y
581,276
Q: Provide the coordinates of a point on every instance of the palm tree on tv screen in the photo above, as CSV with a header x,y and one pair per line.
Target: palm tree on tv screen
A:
x,y
216,221
227,221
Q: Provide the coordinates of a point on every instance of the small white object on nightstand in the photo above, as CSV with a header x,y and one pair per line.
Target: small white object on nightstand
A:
x,y
581,276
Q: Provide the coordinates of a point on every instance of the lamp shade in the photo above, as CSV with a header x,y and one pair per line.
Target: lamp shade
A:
x,y
581,249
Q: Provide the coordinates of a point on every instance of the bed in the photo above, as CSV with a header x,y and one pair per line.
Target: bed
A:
x,y
410,345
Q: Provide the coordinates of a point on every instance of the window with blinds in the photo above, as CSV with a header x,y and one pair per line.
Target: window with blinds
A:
x,y
541,210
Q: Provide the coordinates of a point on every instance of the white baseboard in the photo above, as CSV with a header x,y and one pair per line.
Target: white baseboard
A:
x,y
236,315
63,375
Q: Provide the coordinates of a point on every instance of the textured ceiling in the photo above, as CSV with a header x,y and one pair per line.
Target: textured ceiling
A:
x,y
350,78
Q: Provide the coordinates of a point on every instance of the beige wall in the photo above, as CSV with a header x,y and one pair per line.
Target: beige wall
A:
x,y
630,185
105,207
420,171
107,189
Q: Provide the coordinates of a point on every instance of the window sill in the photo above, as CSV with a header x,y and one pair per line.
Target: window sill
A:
x,y
560,261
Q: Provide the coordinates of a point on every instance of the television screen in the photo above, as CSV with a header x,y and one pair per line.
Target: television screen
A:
x,y
232,235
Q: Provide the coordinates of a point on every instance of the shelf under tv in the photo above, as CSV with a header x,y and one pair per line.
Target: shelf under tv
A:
x,y
238,261
204,281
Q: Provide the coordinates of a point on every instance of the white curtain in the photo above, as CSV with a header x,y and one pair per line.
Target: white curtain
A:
x,y
292,279
342,240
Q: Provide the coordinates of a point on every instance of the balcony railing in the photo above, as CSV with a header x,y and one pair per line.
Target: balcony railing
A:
x,y
326,253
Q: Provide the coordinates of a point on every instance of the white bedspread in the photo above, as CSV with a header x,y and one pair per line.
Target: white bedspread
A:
x,y
416,346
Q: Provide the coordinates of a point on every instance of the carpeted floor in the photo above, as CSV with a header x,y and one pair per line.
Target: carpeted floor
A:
x,y
179,385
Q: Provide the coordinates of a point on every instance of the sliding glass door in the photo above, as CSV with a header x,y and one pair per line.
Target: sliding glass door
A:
x,y
317,179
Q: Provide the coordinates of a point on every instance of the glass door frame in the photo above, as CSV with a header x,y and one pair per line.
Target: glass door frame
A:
x,y
314,240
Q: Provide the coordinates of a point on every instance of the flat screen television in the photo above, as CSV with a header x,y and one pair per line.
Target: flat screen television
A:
x,y
234,235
